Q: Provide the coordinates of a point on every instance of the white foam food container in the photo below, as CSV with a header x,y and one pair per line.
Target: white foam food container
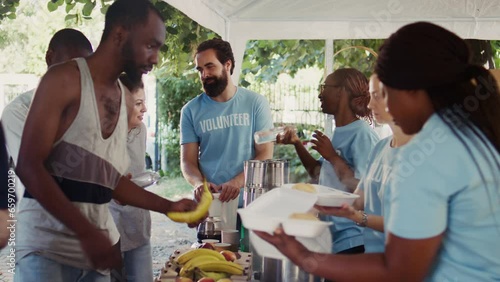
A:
x,y
304,228
319,244
328,197
274,208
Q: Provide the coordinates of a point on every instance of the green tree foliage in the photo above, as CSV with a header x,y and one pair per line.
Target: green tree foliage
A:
x,y
177,82
266,59
183,35
26,38
78,10
496,52
8,9
350,54
174,92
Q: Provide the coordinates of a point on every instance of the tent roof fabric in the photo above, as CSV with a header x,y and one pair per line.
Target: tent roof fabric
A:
x,y
238,21
339,19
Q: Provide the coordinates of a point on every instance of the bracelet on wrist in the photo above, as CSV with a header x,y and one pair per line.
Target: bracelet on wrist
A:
x,y
364,219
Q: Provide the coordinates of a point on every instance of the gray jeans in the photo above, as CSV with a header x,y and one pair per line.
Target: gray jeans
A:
x,y
35,267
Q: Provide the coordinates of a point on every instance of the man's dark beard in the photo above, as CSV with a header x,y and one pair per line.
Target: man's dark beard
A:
x,y
218,86
130,68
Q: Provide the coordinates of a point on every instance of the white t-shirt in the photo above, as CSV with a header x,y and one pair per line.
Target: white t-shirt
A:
x,y
134,224
13,119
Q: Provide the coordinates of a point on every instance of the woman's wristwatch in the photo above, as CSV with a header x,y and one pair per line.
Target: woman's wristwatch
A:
x,y
364,219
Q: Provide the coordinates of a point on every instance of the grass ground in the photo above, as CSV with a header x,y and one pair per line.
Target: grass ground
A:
x,y
174,188
166,235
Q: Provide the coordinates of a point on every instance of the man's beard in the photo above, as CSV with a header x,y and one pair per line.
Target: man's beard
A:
x,y
131,68
216,87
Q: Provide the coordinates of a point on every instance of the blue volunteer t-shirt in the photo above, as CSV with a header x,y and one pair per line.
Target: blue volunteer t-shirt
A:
x,y
378,171
353,142
437,187
224,131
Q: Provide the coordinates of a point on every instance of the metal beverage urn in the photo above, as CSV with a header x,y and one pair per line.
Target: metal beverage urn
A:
x,y
261,177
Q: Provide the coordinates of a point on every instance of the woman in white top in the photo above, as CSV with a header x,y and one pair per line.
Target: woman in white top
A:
x,y
134,224
367,210
441,204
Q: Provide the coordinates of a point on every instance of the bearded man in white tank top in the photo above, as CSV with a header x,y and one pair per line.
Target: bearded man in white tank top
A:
x,y
73,154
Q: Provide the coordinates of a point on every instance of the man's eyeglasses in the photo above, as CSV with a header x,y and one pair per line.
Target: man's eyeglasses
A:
x,y
322,86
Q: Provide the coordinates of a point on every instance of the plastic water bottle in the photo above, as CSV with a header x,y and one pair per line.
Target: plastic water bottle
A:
x,y
269,135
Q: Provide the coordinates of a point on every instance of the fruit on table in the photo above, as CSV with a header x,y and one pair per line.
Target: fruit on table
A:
x,y
200,211
216,276
228,255
207,246
185,257
221,266
183,279
188,267
206,279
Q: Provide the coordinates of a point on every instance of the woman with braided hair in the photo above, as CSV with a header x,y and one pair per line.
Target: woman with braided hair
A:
x,y
441,203
344,158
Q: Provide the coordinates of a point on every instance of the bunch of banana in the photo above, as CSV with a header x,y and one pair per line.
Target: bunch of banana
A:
x,y
182,259
188,268
216,276
200,211
221,266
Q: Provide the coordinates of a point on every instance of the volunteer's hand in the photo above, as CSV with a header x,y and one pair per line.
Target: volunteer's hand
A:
x,y
228,191
199,190
323,145
288,137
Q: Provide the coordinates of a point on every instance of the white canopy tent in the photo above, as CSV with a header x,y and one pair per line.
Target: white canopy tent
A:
x,y
238,21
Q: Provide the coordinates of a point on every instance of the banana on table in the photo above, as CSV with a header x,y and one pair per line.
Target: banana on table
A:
x,y
206,263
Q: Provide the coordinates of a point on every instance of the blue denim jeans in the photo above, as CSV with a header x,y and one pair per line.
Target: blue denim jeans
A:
x,y
34,267
138,264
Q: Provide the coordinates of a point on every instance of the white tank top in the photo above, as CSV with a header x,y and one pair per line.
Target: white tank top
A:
x,y
87,168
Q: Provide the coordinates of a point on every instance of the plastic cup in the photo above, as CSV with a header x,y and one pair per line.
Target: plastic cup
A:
x,y
215,209
210,241
232,237
222,246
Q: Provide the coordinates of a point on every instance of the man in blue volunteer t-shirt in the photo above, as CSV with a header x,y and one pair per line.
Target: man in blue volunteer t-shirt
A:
x,y
218,126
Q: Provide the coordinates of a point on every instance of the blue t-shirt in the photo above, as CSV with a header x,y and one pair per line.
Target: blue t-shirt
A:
x,y
224,131
442,185
378,171
353,142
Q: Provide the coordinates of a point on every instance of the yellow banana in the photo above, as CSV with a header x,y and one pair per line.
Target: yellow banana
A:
x,y
216,276
185,257
221,266
200,211
187,269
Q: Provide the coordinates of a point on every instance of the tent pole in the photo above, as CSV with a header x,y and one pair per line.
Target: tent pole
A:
x,y
329,51
239,46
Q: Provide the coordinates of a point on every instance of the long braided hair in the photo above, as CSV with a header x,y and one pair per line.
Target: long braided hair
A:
x,y
465,96
356,85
